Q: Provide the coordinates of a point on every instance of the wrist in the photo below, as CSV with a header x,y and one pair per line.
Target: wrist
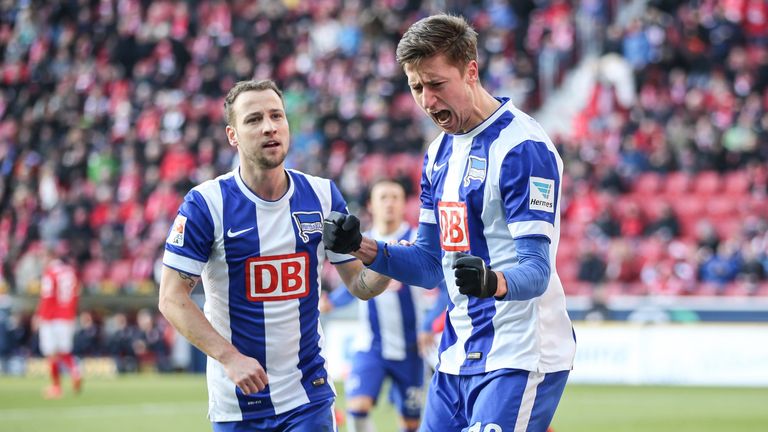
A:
x,y
501,286
227,354
367,252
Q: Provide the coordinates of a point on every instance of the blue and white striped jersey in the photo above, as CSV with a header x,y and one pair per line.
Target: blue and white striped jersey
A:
x,y
484,189
260,263
391,320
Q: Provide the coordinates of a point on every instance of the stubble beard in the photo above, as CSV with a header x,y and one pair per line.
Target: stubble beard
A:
x,y
266,162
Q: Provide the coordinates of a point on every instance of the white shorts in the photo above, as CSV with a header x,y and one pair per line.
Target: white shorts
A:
x,y
56,336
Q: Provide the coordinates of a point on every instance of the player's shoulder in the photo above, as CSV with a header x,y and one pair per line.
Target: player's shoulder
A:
x,y
315,182
211,186
522,129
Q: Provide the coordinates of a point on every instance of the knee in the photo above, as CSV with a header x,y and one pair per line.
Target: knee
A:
x,y
410,424
360,404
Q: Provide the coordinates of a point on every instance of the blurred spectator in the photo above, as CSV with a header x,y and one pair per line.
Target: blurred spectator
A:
x,y
120,337
666,224
150,345
87,337
592,267
723,266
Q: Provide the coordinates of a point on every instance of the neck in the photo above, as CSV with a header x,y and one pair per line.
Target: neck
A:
x,y
486,105
386,228
269,185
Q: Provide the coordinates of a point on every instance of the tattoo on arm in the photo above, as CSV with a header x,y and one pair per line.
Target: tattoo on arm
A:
x,y
188,279
364,286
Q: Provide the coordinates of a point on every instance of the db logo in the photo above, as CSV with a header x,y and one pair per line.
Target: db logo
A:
x,y
454,235
278,277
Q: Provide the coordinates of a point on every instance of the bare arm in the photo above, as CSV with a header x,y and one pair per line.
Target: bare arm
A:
x,y
177,306
363,283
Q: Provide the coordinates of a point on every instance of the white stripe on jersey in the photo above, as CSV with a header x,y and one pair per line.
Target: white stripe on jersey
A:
x,y
281,318
526,402
452,358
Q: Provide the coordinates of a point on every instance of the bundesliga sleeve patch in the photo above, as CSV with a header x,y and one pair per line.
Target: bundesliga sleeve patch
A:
x,y
176,236
542,193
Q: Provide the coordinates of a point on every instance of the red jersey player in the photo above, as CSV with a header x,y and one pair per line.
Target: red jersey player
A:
x,y
56,313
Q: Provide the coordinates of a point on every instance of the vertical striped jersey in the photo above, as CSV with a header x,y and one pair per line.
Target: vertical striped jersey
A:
x,y
484,189
260,263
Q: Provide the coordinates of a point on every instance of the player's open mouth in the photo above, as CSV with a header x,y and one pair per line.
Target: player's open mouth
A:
x,y
442,117
270,144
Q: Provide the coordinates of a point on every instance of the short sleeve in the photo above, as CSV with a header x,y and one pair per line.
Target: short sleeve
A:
x,y
189,241
529,185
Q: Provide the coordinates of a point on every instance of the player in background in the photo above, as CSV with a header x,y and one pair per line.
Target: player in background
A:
x,y
387,342
56,314
253,236
490,226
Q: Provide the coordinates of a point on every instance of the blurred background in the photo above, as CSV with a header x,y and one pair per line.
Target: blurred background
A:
x,y
111,110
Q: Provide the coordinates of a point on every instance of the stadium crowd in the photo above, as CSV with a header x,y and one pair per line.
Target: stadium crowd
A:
x,y
112,109
668,187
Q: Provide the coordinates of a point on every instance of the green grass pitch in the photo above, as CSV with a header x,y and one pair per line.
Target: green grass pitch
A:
x,y
177,403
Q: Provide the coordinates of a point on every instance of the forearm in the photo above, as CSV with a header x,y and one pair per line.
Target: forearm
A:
x,y
367,252
417,264
530,278
368,284
186,317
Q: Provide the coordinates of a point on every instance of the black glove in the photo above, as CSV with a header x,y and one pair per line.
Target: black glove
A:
x,y
341,232
473,277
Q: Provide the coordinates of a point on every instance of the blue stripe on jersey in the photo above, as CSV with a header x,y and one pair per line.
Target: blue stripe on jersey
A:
x,y
425,197
480,311
373,321
408,309
246,318
525,160
337,201
198,229
449,338
311,363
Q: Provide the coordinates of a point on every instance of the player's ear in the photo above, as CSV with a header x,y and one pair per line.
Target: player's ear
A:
x,y
472,71
232,136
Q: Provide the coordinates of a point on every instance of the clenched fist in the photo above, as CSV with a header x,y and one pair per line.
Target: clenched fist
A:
x,y
341,232
473,277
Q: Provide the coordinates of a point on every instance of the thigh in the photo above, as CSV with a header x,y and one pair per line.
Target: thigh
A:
x,y
513,400
64,333
47,338
314,417
366,376
407,384
444,408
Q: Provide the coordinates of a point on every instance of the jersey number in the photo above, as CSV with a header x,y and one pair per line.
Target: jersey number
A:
x,y
489,427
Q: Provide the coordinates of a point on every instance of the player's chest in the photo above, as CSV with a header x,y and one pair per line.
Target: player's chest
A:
x,y
262,233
